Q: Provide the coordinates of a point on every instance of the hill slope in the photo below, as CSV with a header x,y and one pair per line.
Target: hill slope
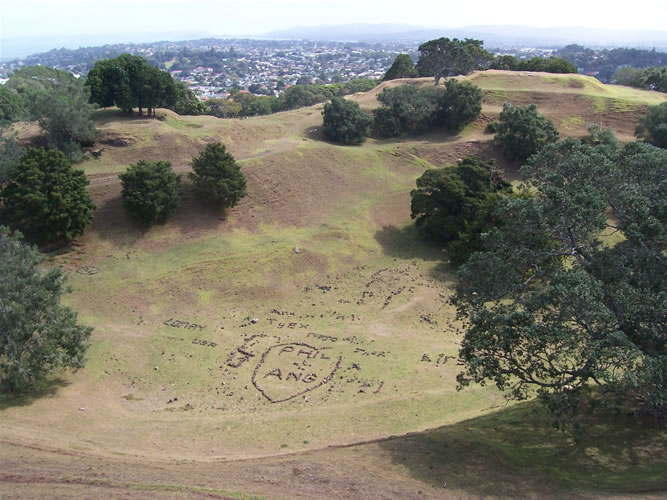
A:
x,y
308,316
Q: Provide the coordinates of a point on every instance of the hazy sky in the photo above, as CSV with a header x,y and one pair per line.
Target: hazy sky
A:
x,y
21,18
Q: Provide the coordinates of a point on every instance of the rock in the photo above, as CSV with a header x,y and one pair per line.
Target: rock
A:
x,y
254,320
296,250
155,368
82,409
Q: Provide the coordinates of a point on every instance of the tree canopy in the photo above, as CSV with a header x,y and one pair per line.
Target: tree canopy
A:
x,y
217,177
402,67
47,198
445,57
652,126
39,334
130,82
522,132
59,103
454,205
150,190
460,105
551,306
405,109
343,121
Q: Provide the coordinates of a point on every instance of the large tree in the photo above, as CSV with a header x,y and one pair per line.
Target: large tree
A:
x,y
47,198
460,105
523,131
551,306
217,177
402,67
454,205
129,82
445,57
652,126
405,109
39,334
343,121
150,190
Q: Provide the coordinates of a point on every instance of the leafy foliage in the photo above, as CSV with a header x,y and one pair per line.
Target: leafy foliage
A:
x,y
38,333
186,102
150,190
443,57
405,109
130,82
216,175
59,103
523,131
12,106
345,122
460,105
653,78
550,307
10,154
47,198
455,204
546,65
402,67
652,126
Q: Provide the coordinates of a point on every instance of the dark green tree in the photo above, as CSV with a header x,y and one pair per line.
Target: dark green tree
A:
x,y
39,334
150,190
12,106
405,110
455,204
187,102
523,131
652,126
552,310
10,155
216,175
345,122
442,57
47,198
460,105
402,67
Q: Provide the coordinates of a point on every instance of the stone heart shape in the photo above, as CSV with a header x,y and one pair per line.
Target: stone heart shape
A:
x,y
286,371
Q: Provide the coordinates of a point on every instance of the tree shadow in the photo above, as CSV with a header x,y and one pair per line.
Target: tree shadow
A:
x,y
407,243
195,214
114,224
11,400
516,453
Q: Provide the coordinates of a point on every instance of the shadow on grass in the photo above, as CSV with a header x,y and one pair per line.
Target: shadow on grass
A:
x,y
114,224
194,214
406,243
516,453
11,399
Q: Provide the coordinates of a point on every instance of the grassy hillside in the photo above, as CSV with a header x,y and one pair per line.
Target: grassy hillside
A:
x,y
307,317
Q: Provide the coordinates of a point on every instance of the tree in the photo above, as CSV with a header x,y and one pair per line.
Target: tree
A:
x,y
345,122
39,334
652,126
12,106
549,307
405,109
523,131
455,204
128,81
59,103
460,105
187,102
10,155
150,190
402,67
216,175
47,198
443,57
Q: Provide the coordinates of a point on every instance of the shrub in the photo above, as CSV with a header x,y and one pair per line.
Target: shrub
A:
x,y
460,105
150,190
217,176
345,122
524,131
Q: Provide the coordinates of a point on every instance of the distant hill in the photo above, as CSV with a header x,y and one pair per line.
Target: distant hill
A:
x,y
494,36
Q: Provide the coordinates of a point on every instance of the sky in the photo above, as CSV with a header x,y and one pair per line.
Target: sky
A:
x,y
38,18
